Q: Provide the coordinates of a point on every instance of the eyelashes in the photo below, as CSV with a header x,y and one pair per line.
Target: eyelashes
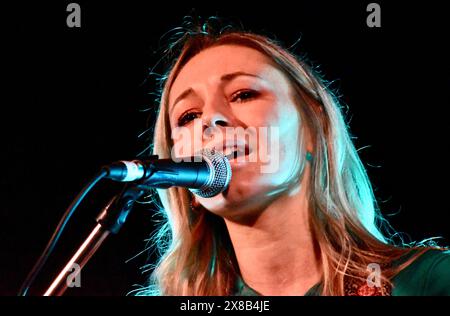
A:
x,y
187,117
238,97
244,95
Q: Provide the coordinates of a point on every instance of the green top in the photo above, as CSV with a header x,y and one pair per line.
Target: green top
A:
x,y
428,275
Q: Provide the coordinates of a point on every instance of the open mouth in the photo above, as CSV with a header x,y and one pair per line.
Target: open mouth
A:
x,y
236,151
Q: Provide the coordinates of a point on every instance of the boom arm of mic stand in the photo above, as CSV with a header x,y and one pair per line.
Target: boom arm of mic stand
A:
x,y
110,220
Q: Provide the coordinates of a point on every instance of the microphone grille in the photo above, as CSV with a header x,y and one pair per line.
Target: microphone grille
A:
x,y
220,173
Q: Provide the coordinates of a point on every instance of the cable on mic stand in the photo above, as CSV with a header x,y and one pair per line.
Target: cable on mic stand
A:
x,y
110,220
57,234
104,172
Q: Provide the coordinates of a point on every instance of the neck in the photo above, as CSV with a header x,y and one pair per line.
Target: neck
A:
x,y
276,252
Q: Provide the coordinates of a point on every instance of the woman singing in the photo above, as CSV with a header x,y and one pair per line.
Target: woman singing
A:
x,y
308,226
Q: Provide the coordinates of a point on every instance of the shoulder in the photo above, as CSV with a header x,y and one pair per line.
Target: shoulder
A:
x,y
428,274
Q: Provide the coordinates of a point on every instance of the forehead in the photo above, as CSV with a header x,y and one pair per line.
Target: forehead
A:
x,y
210,64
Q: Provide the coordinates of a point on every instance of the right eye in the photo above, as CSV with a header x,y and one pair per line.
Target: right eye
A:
x,y
187,117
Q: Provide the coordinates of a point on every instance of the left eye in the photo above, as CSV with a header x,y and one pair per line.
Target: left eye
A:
x,y
244,95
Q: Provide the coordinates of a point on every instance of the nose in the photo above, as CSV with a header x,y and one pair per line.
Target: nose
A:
x,y
216,119
216,113
213,123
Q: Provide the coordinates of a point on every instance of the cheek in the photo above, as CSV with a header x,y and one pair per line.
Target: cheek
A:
x,y
279,111
183,142
285,118
287,121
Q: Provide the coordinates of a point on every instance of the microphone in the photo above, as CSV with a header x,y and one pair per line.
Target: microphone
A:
x,y
205,175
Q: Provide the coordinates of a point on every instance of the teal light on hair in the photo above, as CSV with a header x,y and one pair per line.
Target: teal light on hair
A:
x,y
212,263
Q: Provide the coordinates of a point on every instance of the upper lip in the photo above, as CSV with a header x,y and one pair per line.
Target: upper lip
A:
x,y
231,146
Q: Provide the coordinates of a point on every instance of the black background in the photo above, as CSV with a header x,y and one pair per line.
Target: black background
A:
x,y
72,101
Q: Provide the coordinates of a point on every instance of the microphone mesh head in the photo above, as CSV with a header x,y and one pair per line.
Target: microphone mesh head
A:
x,y
220,173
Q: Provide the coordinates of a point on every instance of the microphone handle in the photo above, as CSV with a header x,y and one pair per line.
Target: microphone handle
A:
x,y
165,173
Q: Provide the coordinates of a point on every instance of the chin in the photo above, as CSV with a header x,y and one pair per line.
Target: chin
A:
x,y
242,197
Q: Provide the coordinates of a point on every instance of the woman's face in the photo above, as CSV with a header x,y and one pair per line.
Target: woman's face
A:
x,y
230,98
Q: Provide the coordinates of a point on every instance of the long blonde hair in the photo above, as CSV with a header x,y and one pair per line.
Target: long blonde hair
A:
x,y
196,255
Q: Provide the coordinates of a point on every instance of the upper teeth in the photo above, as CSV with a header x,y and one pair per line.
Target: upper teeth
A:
x,y
229,150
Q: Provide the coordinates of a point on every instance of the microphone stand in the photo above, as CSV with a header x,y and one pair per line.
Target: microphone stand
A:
x,y
110,220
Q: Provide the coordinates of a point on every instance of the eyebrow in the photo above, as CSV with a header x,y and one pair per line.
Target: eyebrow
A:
x,y
224,78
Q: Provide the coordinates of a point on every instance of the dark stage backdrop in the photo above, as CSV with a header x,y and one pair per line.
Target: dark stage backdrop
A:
x,y
73,97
